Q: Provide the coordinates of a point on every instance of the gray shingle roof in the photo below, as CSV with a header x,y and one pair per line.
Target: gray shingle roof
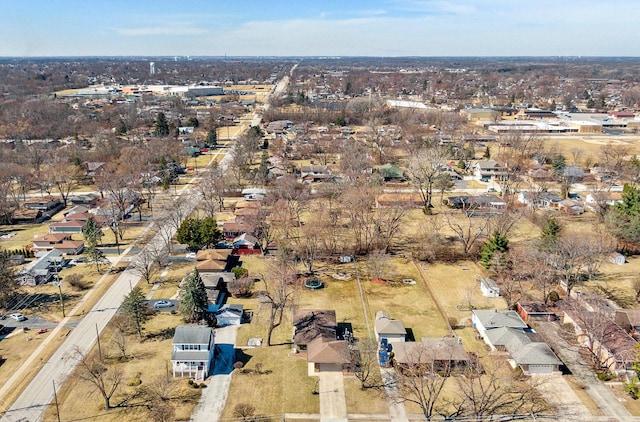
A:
x,y
496,319
192,334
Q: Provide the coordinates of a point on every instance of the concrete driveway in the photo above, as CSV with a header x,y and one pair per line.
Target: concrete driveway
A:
x,y
333,405
559,394
214,397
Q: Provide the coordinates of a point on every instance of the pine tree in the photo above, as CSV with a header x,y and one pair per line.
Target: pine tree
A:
x,y
496,243
8,281
135,308
212,138
161,127
193,297
92,232
550,233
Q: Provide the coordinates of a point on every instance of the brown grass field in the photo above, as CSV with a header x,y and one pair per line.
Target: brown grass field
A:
x,y
148,361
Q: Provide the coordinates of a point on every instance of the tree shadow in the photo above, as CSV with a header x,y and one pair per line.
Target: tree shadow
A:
x,y
410,335
164,334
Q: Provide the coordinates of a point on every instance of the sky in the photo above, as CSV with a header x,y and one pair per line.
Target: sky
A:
x,y
319,28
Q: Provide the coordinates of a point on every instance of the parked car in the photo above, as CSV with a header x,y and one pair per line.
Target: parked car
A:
x,y
162,304
491,190
191,255
18,316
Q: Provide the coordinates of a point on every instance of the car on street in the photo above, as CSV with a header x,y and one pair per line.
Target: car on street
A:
x,y
491,190
162,304
18,316
191,255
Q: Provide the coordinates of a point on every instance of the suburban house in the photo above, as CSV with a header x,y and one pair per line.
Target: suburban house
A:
x,y
215,284
42,270
44,204
215,260
539,199
193,350
88,200
254,194
615,349
436,354
602,199
489,287
67,227
315,173
232,229
311,323
537,311
628,320
246,244
59,241
527,349
486,320
488,170
571,207
327,355
391,329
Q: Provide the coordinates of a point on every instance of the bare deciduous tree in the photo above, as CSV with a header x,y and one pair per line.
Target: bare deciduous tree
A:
x,y
104,378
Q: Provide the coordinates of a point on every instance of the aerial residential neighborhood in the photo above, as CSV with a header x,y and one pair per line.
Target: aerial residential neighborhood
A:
x,y
313,219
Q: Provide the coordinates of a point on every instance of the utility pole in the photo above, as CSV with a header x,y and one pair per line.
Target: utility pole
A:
x,y
98,338
58,283
55,396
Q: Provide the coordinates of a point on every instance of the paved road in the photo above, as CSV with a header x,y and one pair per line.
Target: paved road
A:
x,y
568,353
214,397
31,404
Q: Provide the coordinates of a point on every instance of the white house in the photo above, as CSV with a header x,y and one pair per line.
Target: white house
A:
x,y
617,258
391,329
490,169
193,349
489,288
485,320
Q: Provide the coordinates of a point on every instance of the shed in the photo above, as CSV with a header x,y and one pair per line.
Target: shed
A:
x,y
391,329
489,288
617,258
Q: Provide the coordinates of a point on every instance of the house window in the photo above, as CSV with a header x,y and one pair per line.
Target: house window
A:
x,y
190,347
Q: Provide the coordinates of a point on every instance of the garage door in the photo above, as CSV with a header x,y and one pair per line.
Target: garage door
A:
x,y
540,369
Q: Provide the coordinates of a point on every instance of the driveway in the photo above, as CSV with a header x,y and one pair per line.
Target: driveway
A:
x,y
214,397
568,353
333,405
559,394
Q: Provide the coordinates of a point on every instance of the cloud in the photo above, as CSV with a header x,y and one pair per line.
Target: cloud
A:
x,y
175,30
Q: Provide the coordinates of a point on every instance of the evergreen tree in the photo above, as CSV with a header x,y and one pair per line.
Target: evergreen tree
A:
x,y
95,255
212,138
8,280
161,127
92,232
496,243
487,153
558,165
624,218
550,234
193,297
135,308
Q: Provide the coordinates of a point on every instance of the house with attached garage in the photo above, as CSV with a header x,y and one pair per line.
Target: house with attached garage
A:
x,y
486,320
526,348
193,350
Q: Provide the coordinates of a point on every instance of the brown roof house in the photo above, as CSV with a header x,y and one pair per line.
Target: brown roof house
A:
x,y
315,331
432,354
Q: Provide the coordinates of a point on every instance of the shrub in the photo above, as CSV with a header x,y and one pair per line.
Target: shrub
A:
x,y
553,296
76,282
135,382
203,385
238,365
244,410
604,376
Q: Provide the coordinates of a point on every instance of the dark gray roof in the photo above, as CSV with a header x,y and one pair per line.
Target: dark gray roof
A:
x,y
192,334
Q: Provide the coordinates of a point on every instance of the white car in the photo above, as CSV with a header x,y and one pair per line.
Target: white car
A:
x,y
191,255
162,304
18,316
